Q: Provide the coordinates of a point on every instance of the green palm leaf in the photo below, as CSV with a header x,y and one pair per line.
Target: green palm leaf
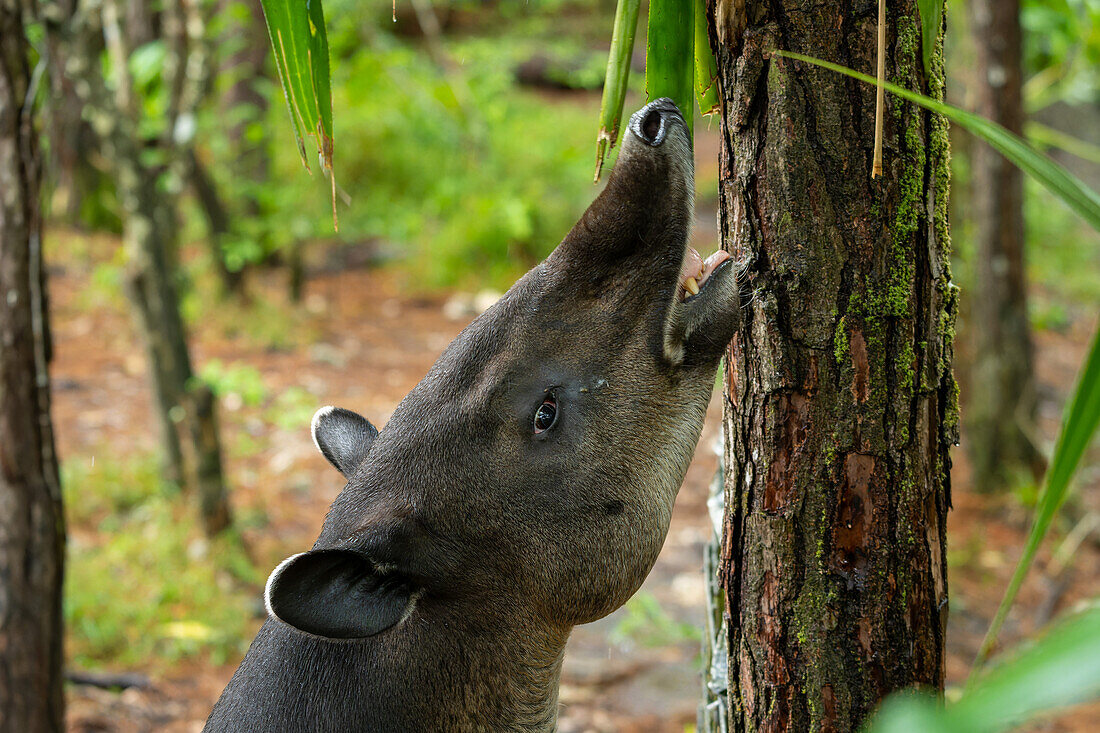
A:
x,y
297,30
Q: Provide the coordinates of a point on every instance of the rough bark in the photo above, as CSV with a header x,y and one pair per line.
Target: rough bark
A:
x,y
1001,404
32,534
841,405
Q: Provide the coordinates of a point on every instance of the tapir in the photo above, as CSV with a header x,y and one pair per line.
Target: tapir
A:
x,y
523,487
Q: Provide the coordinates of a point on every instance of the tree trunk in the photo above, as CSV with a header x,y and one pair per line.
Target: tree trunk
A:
x,y
181,402
217,223
1001,404
841,405
32,533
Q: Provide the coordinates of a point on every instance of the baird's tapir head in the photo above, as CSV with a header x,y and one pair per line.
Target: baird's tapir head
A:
x,y
537,463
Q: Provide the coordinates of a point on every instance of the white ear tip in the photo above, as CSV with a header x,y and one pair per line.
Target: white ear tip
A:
x,y
316,422
274,574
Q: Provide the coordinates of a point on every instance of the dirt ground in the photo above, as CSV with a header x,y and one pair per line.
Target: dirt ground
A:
x,y
369,342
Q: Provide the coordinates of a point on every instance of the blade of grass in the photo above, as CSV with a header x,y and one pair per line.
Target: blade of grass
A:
x,y
1078,427
706,68
1054,177
300,46
669,54
1045,136
931,19
618,73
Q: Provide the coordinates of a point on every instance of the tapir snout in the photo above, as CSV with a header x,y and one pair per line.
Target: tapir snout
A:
x,y
523,487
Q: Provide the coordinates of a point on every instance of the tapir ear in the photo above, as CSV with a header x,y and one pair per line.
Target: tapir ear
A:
x,y
338,594
343,437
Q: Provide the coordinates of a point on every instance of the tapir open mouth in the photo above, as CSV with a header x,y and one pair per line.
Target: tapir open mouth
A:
x,y
695,272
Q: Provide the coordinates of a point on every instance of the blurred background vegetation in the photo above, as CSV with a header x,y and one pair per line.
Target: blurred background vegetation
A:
x,y
465,141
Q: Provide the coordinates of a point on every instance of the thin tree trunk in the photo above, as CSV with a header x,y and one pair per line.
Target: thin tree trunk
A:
x,y
1001,404
180,399
183,406
841,405
217,223
32,532
249,67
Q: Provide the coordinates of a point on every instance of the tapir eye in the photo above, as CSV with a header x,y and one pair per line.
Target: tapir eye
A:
x,y
546,415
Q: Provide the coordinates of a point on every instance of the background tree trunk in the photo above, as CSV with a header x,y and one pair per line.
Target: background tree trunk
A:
x,y
1001,402
841,405
183,405
32,534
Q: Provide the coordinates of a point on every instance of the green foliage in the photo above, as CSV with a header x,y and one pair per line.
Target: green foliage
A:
x,y
931,20
679,63
142,582
300,48
1063,184
473,193
1062,50
646,623
1058,670
458,175
237,378
1063,256
293,409
1078,427
706,67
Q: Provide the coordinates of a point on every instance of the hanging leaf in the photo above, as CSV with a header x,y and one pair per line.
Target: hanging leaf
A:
x,y
618,73
300,46
669,54
931,20
706,68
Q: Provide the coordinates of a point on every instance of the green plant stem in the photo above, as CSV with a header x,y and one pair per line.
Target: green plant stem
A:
x,y
618,73
706,68
669,54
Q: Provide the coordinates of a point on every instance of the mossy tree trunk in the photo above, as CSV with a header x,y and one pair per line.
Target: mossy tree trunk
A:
x,y
1001,404
32,531
841,405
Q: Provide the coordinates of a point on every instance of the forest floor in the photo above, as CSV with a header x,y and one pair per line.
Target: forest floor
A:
x,y
360,339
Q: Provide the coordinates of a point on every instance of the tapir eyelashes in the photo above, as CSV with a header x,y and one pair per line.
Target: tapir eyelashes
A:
x,y
547,415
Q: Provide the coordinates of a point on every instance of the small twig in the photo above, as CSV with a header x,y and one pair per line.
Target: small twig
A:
x,y
880,96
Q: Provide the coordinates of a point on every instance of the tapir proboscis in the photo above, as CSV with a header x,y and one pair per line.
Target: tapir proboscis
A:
x,y
523,487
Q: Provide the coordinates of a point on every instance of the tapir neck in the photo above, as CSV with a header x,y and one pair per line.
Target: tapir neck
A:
x,y
448,672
